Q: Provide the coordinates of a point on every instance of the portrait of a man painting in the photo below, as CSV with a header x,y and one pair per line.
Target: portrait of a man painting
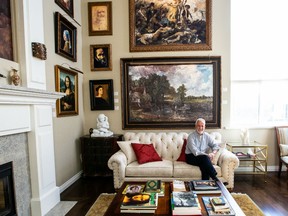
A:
x,y
6,43
101,94
170,92
170,25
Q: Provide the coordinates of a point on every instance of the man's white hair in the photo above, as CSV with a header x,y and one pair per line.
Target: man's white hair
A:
x,y
201,120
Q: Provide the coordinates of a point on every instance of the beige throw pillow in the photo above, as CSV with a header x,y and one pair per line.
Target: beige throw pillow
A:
x,y
283,150
126,147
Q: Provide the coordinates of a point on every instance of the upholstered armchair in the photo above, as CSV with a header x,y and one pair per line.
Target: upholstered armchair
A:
x,y
282,143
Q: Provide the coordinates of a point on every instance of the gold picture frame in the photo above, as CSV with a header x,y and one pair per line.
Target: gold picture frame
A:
x,y
101,94
170,25
65,38
67,6
66,81
170,92
100,18
101,57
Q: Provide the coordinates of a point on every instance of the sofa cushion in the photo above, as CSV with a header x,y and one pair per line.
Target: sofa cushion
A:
x,y
182,156
127,149
153,169
184,170
145,153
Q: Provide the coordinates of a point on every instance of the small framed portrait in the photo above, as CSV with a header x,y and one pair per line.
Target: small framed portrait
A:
x,y
100,57
65,38
100,18
67,6
66,82
101,94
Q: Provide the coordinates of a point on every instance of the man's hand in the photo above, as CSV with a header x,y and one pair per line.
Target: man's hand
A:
x,y
211,155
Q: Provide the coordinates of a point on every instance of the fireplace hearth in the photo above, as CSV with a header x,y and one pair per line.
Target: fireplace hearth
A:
x,y
7,196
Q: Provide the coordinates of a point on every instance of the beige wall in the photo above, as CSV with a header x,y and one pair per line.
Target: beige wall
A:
x,y
67,130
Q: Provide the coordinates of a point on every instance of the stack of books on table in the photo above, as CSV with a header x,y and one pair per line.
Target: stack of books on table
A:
x,y
155,186
185,203
204,187
217,205
139,203
179,186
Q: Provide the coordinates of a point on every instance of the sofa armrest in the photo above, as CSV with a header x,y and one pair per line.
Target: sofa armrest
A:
x,y
228,163
117,163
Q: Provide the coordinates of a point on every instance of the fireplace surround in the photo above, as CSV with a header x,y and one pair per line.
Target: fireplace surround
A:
x,y
27,116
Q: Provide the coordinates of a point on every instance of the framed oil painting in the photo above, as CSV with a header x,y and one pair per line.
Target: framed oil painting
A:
x,y
170,93
66,82
67,6
6,38
171,25
65,38
101,94
100,57
100,18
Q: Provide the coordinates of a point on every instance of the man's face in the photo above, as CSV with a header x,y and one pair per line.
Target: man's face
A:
x,y
200,127
101,12
100,54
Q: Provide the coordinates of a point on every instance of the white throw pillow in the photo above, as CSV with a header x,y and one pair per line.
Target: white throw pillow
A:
x,y
126,147
283,150
222,146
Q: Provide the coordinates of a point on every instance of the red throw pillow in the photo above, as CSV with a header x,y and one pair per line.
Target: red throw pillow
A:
x,y
182,156
145,153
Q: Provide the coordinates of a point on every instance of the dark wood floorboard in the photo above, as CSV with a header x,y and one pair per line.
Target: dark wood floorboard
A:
x,y
270,193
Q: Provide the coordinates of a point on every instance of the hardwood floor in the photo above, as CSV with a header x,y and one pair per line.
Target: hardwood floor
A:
x,y
270,195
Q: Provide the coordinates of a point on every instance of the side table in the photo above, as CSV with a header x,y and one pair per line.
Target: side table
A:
x,y
258,160
95,153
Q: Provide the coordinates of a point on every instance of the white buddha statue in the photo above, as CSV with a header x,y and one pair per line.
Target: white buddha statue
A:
x,y
102,127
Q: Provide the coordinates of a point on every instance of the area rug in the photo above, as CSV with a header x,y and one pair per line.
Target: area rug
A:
x,y
244,201
247,205
101,204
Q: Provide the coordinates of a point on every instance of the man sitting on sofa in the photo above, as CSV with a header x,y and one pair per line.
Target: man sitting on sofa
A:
x,y
199,143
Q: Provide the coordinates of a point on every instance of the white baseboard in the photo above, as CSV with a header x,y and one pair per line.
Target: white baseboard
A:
x,y
70,181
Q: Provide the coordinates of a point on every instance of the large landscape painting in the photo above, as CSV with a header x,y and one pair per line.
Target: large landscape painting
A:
x,y
170,92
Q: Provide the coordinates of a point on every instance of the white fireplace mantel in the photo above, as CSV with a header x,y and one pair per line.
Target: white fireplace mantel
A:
x,y
30,110
21,95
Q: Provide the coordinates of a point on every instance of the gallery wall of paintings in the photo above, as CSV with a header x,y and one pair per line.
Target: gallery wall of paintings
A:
x,y
160,26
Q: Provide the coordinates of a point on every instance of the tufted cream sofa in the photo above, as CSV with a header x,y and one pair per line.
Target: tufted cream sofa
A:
x,y
168,146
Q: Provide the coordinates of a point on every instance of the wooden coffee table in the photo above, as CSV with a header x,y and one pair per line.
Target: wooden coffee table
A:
x,y
164,205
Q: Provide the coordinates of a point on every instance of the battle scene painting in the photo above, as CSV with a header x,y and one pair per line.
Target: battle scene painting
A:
x,y
157,25
161,93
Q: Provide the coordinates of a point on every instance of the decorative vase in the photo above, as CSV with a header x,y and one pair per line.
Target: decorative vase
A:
x,y
15,77
244,136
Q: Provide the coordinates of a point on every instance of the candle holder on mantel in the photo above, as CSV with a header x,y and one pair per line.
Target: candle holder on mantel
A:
x,y
15,77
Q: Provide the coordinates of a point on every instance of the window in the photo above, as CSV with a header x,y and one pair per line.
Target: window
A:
x,y
259,72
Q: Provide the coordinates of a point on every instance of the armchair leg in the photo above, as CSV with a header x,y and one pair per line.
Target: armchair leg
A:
x,y
280,168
